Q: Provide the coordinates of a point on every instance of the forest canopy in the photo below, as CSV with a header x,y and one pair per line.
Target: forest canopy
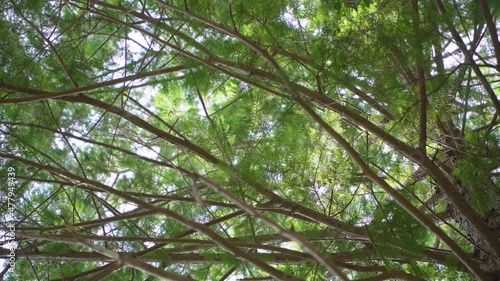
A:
x,y
249,140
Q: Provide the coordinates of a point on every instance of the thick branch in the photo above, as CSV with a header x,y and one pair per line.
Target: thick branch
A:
x,y
403,202
490,23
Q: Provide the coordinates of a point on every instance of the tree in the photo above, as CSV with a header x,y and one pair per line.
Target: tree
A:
x,y
219,140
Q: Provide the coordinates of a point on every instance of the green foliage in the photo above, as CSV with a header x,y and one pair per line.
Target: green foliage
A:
x,y
204,136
